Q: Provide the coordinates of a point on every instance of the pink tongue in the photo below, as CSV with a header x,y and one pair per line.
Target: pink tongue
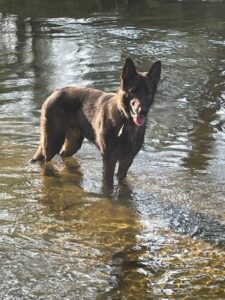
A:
x,y
139,120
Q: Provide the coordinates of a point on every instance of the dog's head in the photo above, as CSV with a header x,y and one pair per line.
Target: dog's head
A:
x,y
139,90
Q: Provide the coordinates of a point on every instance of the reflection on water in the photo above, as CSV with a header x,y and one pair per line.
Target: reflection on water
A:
x,y
160,234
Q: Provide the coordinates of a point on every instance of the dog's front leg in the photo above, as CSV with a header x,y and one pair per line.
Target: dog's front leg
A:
x,y
124,165
109,164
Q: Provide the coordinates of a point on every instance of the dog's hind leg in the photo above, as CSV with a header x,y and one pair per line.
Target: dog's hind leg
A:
x,y
73,141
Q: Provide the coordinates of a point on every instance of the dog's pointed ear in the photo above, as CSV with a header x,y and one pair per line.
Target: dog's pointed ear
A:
x,y
129,70
155,71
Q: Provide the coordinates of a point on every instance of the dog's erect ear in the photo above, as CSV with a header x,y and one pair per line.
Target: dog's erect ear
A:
x,y
155,71
129,70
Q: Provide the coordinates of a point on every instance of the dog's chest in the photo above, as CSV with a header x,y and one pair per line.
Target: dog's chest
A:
x,y
131,137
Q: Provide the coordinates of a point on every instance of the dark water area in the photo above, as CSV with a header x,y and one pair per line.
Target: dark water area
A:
x,y
160,235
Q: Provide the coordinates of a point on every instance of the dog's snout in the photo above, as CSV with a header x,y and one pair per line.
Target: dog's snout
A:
x,y
137,107
135,104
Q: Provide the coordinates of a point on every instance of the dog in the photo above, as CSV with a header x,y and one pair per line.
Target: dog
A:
x,y
114,122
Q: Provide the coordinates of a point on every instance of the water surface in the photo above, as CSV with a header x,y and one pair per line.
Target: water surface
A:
x,y
161,235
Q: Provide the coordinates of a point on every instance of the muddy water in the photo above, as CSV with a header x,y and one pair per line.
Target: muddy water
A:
x,y
161,235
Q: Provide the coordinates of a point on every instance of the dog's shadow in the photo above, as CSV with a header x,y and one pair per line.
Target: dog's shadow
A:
x,y
64,185
63,188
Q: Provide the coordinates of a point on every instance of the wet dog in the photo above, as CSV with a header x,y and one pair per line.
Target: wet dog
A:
x,y
114,122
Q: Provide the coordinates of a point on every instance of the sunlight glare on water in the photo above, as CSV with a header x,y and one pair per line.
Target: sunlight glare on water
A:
x,y
161,234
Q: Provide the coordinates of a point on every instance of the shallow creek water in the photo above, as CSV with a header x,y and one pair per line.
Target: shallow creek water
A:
x,y
160,235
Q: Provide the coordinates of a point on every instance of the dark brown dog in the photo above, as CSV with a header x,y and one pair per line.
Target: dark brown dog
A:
x,y
114,122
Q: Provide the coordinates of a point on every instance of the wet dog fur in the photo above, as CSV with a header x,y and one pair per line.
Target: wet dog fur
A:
x,y
114,122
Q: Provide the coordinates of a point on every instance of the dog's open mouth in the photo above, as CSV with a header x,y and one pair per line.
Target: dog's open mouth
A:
x,y
138,119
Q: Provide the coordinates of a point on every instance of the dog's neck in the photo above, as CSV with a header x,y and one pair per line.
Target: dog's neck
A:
x,y
121,105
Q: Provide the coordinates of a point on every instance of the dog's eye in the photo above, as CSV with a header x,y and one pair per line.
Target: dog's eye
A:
x,y
127,97
132,90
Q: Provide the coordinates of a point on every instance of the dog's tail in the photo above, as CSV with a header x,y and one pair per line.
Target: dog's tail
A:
x,y
52,128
